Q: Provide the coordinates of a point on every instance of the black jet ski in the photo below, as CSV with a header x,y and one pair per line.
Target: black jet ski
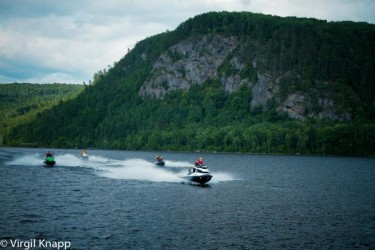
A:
x,y
160,162
49,161
198,174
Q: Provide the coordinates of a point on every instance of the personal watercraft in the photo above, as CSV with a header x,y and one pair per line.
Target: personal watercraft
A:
x,y
198,174
160,162
84,155
49,161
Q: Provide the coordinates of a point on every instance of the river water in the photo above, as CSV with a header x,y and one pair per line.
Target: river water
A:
x,y
120,200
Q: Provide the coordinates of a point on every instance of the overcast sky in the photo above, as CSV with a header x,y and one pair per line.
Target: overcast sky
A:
x,y
47,41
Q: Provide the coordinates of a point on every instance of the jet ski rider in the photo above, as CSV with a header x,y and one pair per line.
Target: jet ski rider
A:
x,y
199,162
159,157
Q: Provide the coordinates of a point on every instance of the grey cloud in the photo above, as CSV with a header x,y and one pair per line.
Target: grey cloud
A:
x,y
73,39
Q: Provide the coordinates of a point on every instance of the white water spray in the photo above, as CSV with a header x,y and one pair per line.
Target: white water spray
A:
x,y
139,169
27,160
221,177
178,164
130,169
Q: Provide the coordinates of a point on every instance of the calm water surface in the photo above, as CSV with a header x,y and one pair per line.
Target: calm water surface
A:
x,y
120,200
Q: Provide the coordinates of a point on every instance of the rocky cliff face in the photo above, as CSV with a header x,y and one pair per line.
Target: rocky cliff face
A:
x,y
196,60
190,62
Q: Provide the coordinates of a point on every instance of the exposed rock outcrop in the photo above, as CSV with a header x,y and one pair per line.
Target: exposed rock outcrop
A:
x,y
263,90
197,60
186,63
294,106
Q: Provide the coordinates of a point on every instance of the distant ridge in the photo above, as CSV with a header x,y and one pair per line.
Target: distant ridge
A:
x,y
21,102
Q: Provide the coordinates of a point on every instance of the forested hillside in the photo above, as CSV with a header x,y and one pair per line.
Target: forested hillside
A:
x,y
19,103
238,82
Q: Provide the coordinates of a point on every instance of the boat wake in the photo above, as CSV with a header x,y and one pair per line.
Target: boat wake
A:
x,y
27,160
65,160
139,169
178,164
129,169
222,177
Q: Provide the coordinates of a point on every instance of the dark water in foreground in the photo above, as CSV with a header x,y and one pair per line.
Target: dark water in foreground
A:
x,y
120,200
